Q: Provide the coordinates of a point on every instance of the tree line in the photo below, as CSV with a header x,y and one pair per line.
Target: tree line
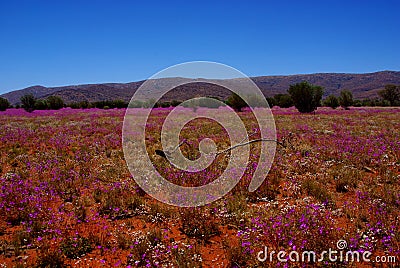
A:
x,y
305,96
30,103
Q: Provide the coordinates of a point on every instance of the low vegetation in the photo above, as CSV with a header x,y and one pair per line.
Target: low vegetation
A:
x,y
4,104
306,97
67,198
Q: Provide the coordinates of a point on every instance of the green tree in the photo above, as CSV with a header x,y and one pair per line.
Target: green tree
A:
x,y
258,101
283,100
28,102
136,104
192,103
306,97
346,99
55,102
391,93
271,101
331,101
236,102
175,103
119,104
4,104
148,103
210,102
41,105
163,104
80,105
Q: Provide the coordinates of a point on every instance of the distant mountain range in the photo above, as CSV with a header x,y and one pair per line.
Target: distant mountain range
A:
x,y
362,85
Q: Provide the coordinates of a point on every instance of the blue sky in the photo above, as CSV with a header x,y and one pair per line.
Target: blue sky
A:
x,y
54,43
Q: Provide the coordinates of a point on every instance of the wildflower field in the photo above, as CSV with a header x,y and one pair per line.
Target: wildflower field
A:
x,y
67,198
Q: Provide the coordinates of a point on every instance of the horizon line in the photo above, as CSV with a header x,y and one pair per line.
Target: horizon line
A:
x,y
142,80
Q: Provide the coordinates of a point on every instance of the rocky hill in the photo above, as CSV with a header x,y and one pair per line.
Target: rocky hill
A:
x,y
362,86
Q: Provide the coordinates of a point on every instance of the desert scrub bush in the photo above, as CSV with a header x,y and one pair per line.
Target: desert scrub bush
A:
x,y
124,241
138,253
268,190
102,239
236,204
304,149
34,228
391,197
75,247
389,194
4,246
3,227
50,258
147,249
198,223
67,190
236,254
66,184
22,238
80,211
111,172
236,208
118,202
302,166
187,256
319,192
154,236
389,176
345,178
158,212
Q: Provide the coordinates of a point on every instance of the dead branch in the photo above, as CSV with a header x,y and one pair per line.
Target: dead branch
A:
x,y
168,153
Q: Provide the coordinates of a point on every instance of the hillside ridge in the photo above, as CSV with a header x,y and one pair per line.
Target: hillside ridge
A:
x,y
362,85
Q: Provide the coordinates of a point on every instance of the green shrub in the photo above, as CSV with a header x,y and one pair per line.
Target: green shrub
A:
x,y
345,178
187,257
306,97
283,100
318,191
4,104
236,207
75,247
28,102
55,102
391,93
331,101
346,99
48,258
41,105
198,223
271,102
236,102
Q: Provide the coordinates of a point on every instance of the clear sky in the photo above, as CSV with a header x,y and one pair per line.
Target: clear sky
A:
x,y
54,43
